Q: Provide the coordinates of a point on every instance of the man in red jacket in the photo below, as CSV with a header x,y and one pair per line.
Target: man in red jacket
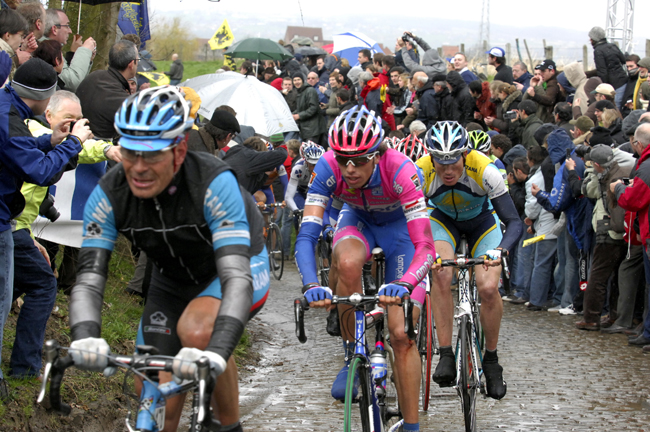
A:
x,y
636,197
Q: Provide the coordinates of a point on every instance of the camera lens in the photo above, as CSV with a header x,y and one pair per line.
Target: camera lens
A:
x,y
48,210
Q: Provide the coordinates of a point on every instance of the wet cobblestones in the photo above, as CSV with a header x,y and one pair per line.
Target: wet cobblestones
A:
x,y
559,378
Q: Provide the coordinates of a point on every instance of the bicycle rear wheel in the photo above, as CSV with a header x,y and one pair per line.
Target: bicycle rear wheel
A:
x,y
274,249
366,420
468,382
426,343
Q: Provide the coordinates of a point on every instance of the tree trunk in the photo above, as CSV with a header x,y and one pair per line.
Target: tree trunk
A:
x,y
98,22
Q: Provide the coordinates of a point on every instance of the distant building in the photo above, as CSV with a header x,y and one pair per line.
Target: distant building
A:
x,y
449,50
313,33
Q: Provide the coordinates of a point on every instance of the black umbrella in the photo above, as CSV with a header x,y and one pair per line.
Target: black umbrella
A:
x,y
311,51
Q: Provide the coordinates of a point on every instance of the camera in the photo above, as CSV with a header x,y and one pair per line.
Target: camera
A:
x,y
47,208
407,38
510,115
626,181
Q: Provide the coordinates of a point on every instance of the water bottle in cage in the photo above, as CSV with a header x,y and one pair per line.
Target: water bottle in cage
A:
x,y
379,366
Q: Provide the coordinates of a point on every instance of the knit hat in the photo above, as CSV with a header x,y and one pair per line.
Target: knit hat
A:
x,y
604,89
542,131
604,104
644,62
298,75
225,121
277,84
439,77
35,79
584,124
596,34
631,122
601,154
600,135
276,138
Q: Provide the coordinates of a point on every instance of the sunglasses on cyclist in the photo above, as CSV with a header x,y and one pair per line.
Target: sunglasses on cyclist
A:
x,y
149,157
355,161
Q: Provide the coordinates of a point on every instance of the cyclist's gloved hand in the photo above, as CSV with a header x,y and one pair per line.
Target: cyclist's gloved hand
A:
x,y
184,365
318,293
493,254
393,290
90,354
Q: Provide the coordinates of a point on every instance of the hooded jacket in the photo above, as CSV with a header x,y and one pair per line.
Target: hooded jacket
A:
x,y
371,96
484,103
431,62
429,111
636,198
464,104
561,198
590,86
445,104
524,80
576,76
610,64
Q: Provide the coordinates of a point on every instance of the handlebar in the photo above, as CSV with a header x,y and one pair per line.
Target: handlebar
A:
x,y
300,306
56,366
462,262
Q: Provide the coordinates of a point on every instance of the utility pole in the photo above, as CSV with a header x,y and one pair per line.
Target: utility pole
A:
x,y
620,23
484,31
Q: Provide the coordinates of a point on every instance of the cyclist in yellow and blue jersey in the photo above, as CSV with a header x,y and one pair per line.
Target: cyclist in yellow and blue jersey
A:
x,y
465,190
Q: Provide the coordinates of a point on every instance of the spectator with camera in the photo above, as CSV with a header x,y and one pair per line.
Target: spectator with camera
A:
x,y
25,158
507,100
607,222
635,197
431,61
523,126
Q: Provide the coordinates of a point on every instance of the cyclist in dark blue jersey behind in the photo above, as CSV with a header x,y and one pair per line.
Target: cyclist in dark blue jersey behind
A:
x,y
202,232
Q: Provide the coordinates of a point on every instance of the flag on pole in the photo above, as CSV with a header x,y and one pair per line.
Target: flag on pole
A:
x,y
223,37
134,19
157,78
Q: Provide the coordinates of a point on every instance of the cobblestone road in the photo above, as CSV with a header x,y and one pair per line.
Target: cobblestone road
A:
x,y
559,378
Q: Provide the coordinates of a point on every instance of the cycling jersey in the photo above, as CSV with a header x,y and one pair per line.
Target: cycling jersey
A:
x,y
470,200
298,184
200,219
393,193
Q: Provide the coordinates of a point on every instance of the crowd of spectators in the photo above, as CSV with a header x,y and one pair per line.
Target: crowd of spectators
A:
x,y
574,144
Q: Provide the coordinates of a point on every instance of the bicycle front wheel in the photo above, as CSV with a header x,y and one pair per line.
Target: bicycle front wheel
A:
x,y
468,382
426,341
274,249
366,420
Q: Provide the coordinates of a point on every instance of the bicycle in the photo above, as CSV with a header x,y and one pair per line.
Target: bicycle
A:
x,y
274,244
375,414
150,416
470,340
324,258
427,346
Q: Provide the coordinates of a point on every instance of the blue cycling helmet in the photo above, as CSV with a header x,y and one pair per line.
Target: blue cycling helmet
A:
x,y
356,132
153,119
446,141
311,152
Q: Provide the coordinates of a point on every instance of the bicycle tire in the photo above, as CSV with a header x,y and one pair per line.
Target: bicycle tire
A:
x,y
364,398
425,346
274,249
476,315
467,385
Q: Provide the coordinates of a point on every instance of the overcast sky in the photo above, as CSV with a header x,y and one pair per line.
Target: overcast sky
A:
x,y
572,14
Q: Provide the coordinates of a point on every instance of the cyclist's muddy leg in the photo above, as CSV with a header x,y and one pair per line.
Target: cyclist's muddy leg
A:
x,y
225,398
487,283
407,363
442,300
349,256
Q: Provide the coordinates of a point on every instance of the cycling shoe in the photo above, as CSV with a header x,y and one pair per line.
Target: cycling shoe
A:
x,y
445,373
332,327
495,386
338,388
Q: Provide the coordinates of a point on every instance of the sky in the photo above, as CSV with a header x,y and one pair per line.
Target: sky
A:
x,y
579,14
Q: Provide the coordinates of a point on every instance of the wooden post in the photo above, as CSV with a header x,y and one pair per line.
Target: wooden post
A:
x,y
548,52
647,47
462,48
530,59
485,47
508,53
585,58
440,51
544,42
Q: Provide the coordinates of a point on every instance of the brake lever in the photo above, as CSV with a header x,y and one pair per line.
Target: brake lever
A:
x,y
203,372
52,348
299,306
407,305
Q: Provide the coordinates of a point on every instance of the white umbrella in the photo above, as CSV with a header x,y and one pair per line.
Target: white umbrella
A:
x,y
257,104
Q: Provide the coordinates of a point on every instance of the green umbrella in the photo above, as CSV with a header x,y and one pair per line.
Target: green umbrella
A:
x,y
258,49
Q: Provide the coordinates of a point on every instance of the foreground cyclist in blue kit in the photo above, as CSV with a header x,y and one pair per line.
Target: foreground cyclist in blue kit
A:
x,y
203,234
